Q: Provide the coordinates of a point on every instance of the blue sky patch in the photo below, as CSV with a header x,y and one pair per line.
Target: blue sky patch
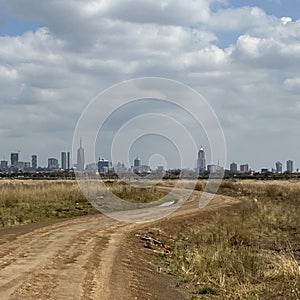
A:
x,y
278,8
13,26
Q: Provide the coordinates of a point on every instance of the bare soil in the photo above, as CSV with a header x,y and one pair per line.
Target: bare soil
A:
x,y
90,257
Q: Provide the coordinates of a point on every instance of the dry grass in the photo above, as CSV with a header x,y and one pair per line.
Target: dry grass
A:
x,y
250,251
134,193
30,201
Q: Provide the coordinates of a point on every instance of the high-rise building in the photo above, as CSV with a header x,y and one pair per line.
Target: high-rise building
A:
x,y
201,162
34,162
53,164
14,159
278,167
137,163
244,168
4,165
80,157
68,161
289,166
64,160
103,166
233,167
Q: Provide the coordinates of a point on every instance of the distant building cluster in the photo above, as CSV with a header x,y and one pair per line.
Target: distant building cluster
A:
x,y
234,168
244,168
15,165
105,167
203,169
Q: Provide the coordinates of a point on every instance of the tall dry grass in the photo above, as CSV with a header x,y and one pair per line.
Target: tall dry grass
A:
x,y
249,251
27,201
30,201
133,193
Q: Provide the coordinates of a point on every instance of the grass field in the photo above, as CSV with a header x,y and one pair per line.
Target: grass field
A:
x,y
249,251
28,201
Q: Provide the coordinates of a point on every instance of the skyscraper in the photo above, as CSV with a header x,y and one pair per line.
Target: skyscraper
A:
x,y
201,162
14,158
289,166
278,167
233,167
68,161
34,161
103,165
53,164
4,165
80,157
244,168
137,162
137,165
64,160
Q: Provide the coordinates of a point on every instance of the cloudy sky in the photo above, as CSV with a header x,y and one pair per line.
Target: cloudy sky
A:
x,y
242,56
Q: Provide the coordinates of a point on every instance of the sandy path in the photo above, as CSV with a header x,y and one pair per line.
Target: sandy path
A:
x,y
82,258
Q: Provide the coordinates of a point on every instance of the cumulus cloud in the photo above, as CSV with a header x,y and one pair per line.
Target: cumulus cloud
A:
x,y
49,74
164,12
239,19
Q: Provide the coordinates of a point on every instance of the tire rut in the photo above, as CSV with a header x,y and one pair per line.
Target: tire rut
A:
x,y
84,258
38,266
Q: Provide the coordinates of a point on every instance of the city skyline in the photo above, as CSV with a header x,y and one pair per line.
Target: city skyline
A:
x,y
200,163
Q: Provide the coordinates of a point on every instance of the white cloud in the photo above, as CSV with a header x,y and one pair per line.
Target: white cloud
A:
x,y
165,12
48,76
292,84
8,73
286,20
239,19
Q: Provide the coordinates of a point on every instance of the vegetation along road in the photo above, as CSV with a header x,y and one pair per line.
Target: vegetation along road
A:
x,y
244,245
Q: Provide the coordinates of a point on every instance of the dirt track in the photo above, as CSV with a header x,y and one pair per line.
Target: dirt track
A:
x,y
84,258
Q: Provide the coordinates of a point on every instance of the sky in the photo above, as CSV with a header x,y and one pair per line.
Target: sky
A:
x,y
243,57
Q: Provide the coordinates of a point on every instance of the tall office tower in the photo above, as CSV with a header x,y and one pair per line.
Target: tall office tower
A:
x,y
233,167
137,163
64,160
4,165
34,162
53,164
14,158
278,167
68,161
201,162
103,165
80,157
289,166
244,168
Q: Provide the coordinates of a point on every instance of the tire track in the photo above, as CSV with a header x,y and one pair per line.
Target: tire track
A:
x,y
83,258
25,260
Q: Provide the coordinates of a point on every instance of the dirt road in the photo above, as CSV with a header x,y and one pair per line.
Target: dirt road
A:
x,y
84,258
